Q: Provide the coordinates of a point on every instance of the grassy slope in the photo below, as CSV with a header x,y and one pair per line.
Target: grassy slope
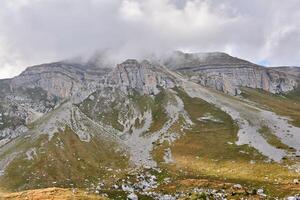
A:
x,y
100,109
286,105
104,109
204,153
65,161
273,139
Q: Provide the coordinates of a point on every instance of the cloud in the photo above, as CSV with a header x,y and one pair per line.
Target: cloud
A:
x,y
37,31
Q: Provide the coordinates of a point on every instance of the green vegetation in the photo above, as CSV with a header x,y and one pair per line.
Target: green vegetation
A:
x,y
294,95
285,105
273,139
102,109
64,161
105,109
206,155
159,115
121,195
9,121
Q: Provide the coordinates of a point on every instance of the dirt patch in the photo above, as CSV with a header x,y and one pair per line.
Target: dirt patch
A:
x,y
50,194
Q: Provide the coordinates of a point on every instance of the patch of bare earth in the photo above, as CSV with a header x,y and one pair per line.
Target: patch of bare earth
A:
x,y
50,194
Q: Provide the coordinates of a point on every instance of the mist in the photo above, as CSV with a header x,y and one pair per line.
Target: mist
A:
x,y
39,31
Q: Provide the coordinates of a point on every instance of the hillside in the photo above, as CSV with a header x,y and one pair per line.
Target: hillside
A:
x,y
191,125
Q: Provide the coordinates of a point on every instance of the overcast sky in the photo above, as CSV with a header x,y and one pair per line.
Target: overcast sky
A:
x,y
38,31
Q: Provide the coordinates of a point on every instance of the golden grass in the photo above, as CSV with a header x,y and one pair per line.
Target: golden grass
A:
x,y
50,194
272,139
288,105
208,152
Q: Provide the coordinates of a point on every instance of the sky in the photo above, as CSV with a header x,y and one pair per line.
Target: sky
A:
x,y
38,31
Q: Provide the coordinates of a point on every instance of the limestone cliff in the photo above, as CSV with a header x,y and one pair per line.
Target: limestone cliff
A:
x,y
144,77
59,79
226,73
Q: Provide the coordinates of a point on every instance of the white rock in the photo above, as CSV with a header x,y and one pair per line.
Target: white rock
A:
x,y
132,196
296,181
293,198
237,186
260,192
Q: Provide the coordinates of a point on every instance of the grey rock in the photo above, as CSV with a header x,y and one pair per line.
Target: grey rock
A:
x,y
132,196
59,79
144,77
293,198
227,74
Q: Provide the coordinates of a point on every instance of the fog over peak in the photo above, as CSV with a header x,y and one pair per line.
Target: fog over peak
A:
x,y
38,31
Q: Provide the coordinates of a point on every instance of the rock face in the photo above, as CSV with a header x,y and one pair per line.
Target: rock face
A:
x,y
59,79
144,77
81,121
293,71
229,79
39,89
228,74
65,80
215,70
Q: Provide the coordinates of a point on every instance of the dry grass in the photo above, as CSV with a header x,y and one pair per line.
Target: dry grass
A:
x,y
286,105
272,139
68,165
50,194
207,151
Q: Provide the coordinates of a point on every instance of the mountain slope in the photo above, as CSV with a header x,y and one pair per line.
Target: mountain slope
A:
x,y
226,73
143,127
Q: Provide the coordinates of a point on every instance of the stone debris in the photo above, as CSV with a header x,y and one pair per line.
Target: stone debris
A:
x,y
237,186
260,192
132,196
297,197
168,156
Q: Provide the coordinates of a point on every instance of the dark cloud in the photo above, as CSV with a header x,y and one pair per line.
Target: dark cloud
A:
x,y
36,31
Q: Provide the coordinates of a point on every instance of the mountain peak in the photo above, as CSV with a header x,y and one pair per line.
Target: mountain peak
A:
x,y
142,76
130,62
180,59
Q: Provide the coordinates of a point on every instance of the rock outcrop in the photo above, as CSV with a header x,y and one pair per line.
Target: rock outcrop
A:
x,y
216,70
65,80
143,77
228,74
293,71
59,79
230,79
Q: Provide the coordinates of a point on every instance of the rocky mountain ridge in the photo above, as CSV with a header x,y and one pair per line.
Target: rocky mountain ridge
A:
x,y
293,71
216,70
71,125
39,89
226,73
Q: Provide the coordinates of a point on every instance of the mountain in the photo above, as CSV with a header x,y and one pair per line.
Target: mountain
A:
x,y
226,73
152,129
293,71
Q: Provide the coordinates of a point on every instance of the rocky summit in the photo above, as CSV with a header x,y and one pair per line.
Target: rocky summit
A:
x,y
226,73
182,126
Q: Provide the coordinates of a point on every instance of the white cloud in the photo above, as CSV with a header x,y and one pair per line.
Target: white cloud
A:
x,y
37,31
130,10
